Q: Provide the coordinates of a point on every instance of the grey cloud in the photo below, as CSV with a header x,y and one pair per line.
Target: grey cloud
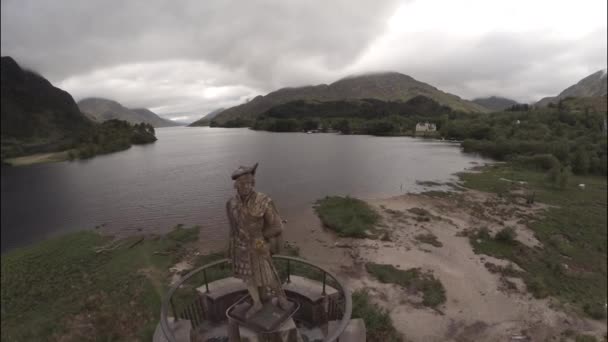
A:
x,y
523,66
120,49
180,57
72,37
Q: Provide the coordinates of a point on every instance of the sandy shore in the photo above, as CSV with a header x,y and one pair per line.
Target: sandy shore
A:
x,y
38,158
479,306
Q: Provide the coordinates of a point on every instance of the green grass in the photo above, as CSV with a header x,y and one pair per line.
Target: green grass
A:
x,y
433,292
347,216
377,320
571,265
585,338
63,288
429,239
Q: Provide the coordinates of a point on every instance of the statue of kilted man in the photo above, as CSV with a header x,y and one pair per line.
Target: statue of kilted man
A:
x,y
255,234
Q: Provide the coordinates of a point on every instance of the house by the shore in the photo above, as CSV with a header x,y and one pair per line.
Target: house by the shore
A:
x,y
425,128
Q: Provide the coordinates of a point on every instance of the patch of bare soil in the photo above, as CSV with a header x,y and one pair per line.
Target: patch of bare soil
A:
x,y
482,305
97,318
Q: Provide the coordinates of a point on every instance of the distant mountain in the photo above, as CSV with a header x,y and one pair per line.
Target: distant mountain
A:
x,y
388,86
206,119
35,115
363,109
593,85
495,103
154,119
100,110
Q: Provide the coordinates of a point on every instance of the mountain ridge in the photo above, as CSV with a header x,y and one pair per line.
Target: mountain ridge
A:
x,y
206,119
593,85
35,115
101,109
495,103
386,86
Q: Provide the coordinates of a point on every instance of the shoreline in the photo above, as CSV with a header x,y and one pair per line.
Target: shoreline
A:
x,y
481,305
38,158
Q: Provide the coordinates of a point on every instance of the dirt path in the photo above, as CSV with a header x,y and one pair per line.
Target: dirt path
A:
x,y
479,306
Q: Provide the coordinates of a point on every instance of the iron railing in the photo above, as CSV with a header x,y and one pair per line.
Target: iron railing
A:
x,y
195,311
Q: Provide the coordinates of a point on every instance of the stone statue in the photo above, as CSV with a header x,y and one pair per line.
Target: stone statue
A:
x,y
255,234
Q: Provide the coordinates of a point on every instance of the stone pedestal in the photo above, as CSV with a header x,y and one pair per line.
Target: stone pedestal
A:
x,y
313,301
221,295
270,324
287,332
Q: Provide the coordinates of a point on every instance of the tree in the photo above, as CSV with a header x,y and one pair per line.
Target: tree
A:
x,y
310,124
343,126
564,176
580,163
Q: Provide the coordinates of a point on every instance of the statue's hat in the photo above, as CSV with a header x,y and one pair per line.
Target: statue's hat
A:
x,y
243,170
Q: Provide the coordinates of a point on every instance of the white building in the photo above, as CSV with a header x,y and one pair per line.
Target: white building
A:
x,y
425,127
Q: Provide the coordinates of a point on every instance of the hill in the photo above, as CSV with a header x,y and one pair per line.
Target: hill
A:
x,y
154,119
388,86
361,116
36,116
495,103
100,110
206,119
594,85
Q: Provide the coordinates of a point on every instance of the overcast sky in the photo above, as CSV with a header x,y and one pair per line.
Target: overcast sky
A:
x,y
183,59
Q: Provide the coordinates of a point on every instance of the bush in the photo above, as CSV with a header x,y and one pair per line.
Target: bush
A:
x,y
378,324
595,310
506,235
553,175
482,233
429,239
347,216
538,161
433,292
537,287
585,338
564,176
580,162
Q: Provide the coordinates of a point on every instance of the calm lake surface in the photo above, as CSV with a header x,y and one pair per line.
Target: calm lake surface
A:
x,y
185,178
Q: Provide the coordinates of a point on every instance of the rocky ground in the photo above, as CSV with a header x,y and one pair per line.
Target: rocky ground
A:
x,y
481,305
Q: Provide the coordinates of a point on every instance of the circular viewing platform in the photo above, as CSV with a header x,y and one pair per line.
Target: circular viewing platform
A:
x,y
195,308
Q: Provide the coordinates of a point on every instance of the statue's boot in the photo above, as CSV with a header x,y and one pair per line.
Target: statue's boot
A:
x,y
255,308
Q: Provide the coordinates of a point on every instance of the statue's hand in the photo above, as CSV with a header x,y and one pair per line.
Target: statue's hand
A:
x,y
261,246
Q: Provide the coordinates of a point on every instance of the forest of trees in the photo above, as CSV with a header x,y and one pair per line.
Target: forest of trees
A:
x,y
561,138
111,136
541,138
367,116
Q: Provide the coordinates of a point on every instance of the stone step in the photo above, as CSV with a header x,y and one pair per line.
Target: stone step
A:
x,y
181,331
355,331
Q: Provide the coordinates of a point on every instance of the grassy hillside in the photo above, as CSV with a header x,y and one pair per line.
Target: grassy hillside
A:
x,y
38,119
101,110
389,86
36,116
